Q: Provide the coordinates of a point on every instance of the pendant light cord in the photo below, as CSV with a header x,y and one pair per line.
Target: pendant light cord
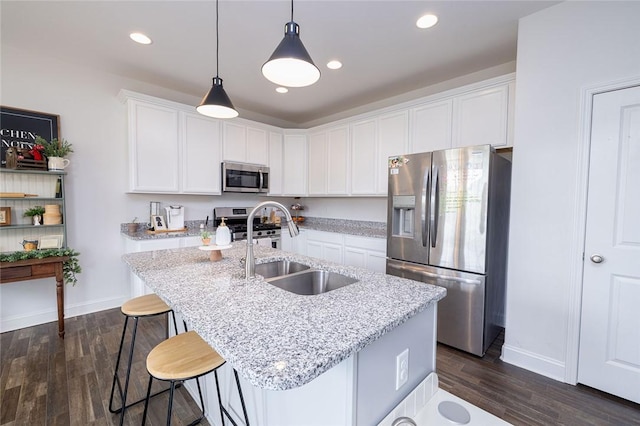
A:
x,y
218,40
291,10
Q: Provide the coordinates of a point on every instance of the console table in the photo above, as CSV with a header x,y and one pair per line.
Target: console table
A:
x,y
32,269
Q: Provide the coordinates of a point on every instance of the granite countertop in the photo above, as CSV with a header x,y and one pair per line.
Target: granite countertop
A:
x,y
349,227
275,339
341,226
193,230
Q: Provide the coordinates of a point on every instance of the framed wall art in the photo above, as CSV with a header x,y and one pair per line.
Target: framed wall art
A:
x,y
5,216
19,128
158,223
50,242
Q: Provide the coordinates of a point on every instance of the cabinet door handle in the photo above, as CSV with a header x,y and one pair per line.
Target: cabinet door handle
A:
x,y
596,258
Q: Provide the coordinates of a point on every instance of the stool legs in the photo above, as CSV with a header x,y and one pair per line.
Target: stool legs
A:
x,y
223,411
116,378
170,407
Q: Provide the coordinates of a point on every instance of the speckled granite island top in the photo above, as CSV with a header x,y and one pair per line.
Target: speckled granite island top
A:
x,y
275,339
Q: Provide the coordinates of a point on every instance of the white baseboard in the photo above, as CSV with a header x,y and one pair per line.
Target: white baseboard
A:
x,y
537,363
30,319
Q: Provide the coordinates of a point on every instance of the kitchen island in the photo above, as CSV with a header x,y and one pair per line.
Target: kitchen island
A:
x,y
322,359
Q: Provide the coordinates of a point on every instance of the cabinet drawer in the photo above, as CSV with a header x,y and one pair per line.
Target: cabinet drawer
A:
x,y
367,243
39,270
10,274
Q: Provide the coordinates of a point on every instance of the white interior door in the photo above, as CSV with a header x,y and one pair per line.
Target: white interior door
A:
x,y
609,357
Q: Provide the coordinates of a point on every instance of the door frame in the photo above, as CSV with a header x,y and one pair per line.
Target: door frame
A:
x,y
580,220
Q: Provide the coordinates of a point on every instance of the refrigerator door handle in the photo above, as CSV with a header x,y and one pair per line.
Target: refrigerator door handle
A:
x,y
424,205
433,210
450,278
424,273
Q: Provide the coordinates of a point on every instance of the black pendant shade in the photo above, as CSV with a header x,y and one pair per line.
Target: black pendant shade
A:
x,y
216,102
290,64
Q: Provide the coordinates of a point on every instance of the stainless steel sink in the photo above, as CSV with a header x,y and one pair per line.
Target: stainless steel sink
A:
x,y
279,268
311,282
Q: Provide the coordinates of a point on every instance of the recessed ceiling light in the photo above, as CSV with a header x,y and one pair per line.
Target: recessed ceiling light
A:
x,y
334,65
427,21
282,89
140,38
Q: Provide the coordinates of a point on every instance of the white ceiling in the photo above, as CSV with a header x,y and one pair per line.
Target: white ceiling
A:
x,y
383,52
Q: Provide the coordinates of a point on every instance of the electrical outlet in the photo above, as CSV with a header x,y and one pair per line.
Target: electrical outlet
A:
x,y
402,368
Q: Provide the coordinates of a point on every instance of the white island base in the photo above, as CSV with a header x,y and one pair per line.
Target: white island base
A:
x,y
361,390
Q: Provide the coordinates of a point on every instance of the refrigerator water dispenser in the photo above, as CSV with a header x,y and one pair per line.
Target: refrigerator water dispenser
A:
x,y
403,216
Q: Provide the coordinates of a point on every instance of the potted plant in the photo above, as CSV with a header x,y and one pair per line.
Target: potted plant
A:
x,y
35,213
55,150
206,238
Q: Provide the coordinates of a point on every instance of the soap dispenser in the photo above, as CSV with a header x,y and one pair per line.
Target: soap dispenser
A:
x,y
223,235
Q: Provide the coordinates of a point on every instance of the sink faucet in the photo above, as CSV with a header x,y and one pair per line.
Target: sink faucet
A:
x,y
250,264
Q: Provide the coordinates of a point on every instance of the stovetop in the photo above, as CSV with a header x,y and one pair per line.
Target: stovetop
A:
x,y
236,220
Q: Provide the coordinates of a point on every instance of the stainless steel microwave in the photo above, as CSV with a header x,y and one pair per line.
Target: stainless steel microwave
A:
x,y
244,177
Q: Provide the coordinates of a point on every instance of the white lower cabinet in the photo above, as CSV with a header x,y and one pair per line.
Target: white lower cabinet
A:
x,y
364,252
297,244
325,245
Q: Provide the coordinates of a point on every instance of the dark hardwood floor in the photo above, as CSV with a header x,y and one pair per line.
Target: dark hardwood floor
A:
x,y
49,381
46,380
521,397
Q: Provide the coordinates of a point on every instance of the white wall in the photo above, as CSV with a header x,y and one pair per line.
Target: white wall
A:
x,y
373,209
561,51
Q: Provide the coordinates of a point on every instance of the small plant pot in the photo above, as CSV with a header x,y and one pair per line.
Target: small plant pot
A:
x,y
132,227
36,219
206,241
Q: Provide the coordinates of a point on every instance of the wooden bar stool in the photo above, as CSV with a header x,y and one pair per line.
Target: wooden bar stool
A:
x,y
184,357
136,308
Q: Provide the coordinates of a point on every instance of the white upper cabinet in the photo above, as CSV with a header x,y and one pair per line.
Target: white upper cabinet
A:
x,y
245,143
317,167
431,126
482,117
393,131
328,165
257,146
373,141
338,160
234,145
171,149
294,162
364,135
276,169
201,154
154,148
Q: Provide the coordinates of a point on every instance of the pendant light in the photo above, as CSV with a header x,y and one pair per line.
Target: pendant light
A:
x,y
290,64
216,103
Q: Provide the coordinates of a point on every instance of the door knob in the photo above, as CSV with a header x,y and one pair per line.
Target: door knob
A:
x,y
596,258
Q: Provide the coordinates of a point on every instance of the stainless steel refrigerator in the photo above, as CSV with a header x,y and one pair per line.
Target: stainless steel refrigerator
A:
x,y
448,219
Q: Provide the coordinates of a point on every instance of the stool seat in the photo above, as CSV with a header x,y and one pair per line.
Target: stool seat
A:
x,y
183,357
146,305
